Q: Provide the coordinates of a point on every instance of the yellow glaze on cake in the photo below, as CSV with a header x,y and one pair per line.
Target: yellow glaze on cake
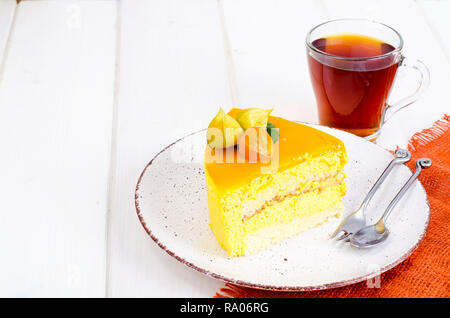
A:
x,y
250,209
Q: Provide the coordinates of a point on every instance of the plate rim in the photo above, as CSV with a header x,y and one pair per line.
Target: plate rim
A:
x,y
271,287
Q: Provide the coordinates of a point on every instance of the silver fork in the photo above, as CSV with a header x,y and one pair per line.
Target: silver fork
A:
x,y
357,220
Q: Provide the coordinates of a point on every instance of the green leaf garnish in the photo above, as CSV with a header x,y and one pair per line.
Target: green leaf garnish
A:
x,y
272,132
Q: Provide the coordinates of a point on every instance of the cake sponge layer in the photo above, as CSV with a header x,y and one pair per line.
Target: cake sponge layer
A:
x,y
276,233
294,213
308,174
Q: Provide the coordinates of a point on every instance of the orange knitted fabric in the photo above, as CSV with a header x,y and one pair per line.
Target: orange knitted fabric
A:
x,y
426,272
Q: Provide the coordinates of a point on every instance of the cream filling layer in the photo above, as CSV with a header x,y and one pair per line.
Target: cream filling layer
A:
x,y
253,207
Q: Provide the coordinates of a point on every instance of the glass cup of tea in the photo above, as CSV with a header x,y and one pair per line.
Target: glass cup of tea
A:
x,y
353,64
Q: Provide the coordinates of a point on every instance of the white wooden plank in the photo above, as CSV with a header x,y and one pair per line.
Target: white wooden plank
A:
x,y
172,80
267,40
7,9
56,102
437,15
421,43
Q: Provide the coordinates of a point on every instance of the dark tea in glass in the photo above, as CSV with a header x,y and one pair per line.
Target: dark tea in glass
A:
x,y
352,73
352,99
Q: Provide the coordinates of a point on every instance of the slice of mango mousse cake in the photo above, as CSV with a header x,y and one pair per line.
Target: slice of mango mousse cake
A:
x,y
269,179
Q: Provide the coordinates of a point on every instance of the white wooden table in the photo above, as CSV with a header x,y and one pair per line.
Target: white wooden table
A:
x,y
91,90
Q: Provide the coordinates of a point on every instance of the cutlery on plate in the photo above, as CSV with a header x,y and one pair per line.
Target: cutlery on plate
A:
x,y
374,234
357,220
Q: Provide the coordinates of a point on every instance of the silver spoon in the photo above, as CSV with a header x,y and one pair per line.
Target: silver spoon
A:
x,y
374,234
357,220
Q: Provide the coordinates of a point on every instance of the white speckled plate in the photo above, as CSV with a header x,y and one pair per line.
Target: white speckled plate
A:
x,y
171,204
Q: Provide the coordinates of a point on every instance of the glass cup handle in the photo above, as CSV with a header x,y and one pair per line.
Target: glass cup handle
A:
x,y
417,66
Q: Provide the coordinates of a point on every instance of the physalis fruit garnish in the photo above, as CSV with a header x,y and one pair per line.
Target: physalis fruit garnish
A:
x,y
223,131
253,117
